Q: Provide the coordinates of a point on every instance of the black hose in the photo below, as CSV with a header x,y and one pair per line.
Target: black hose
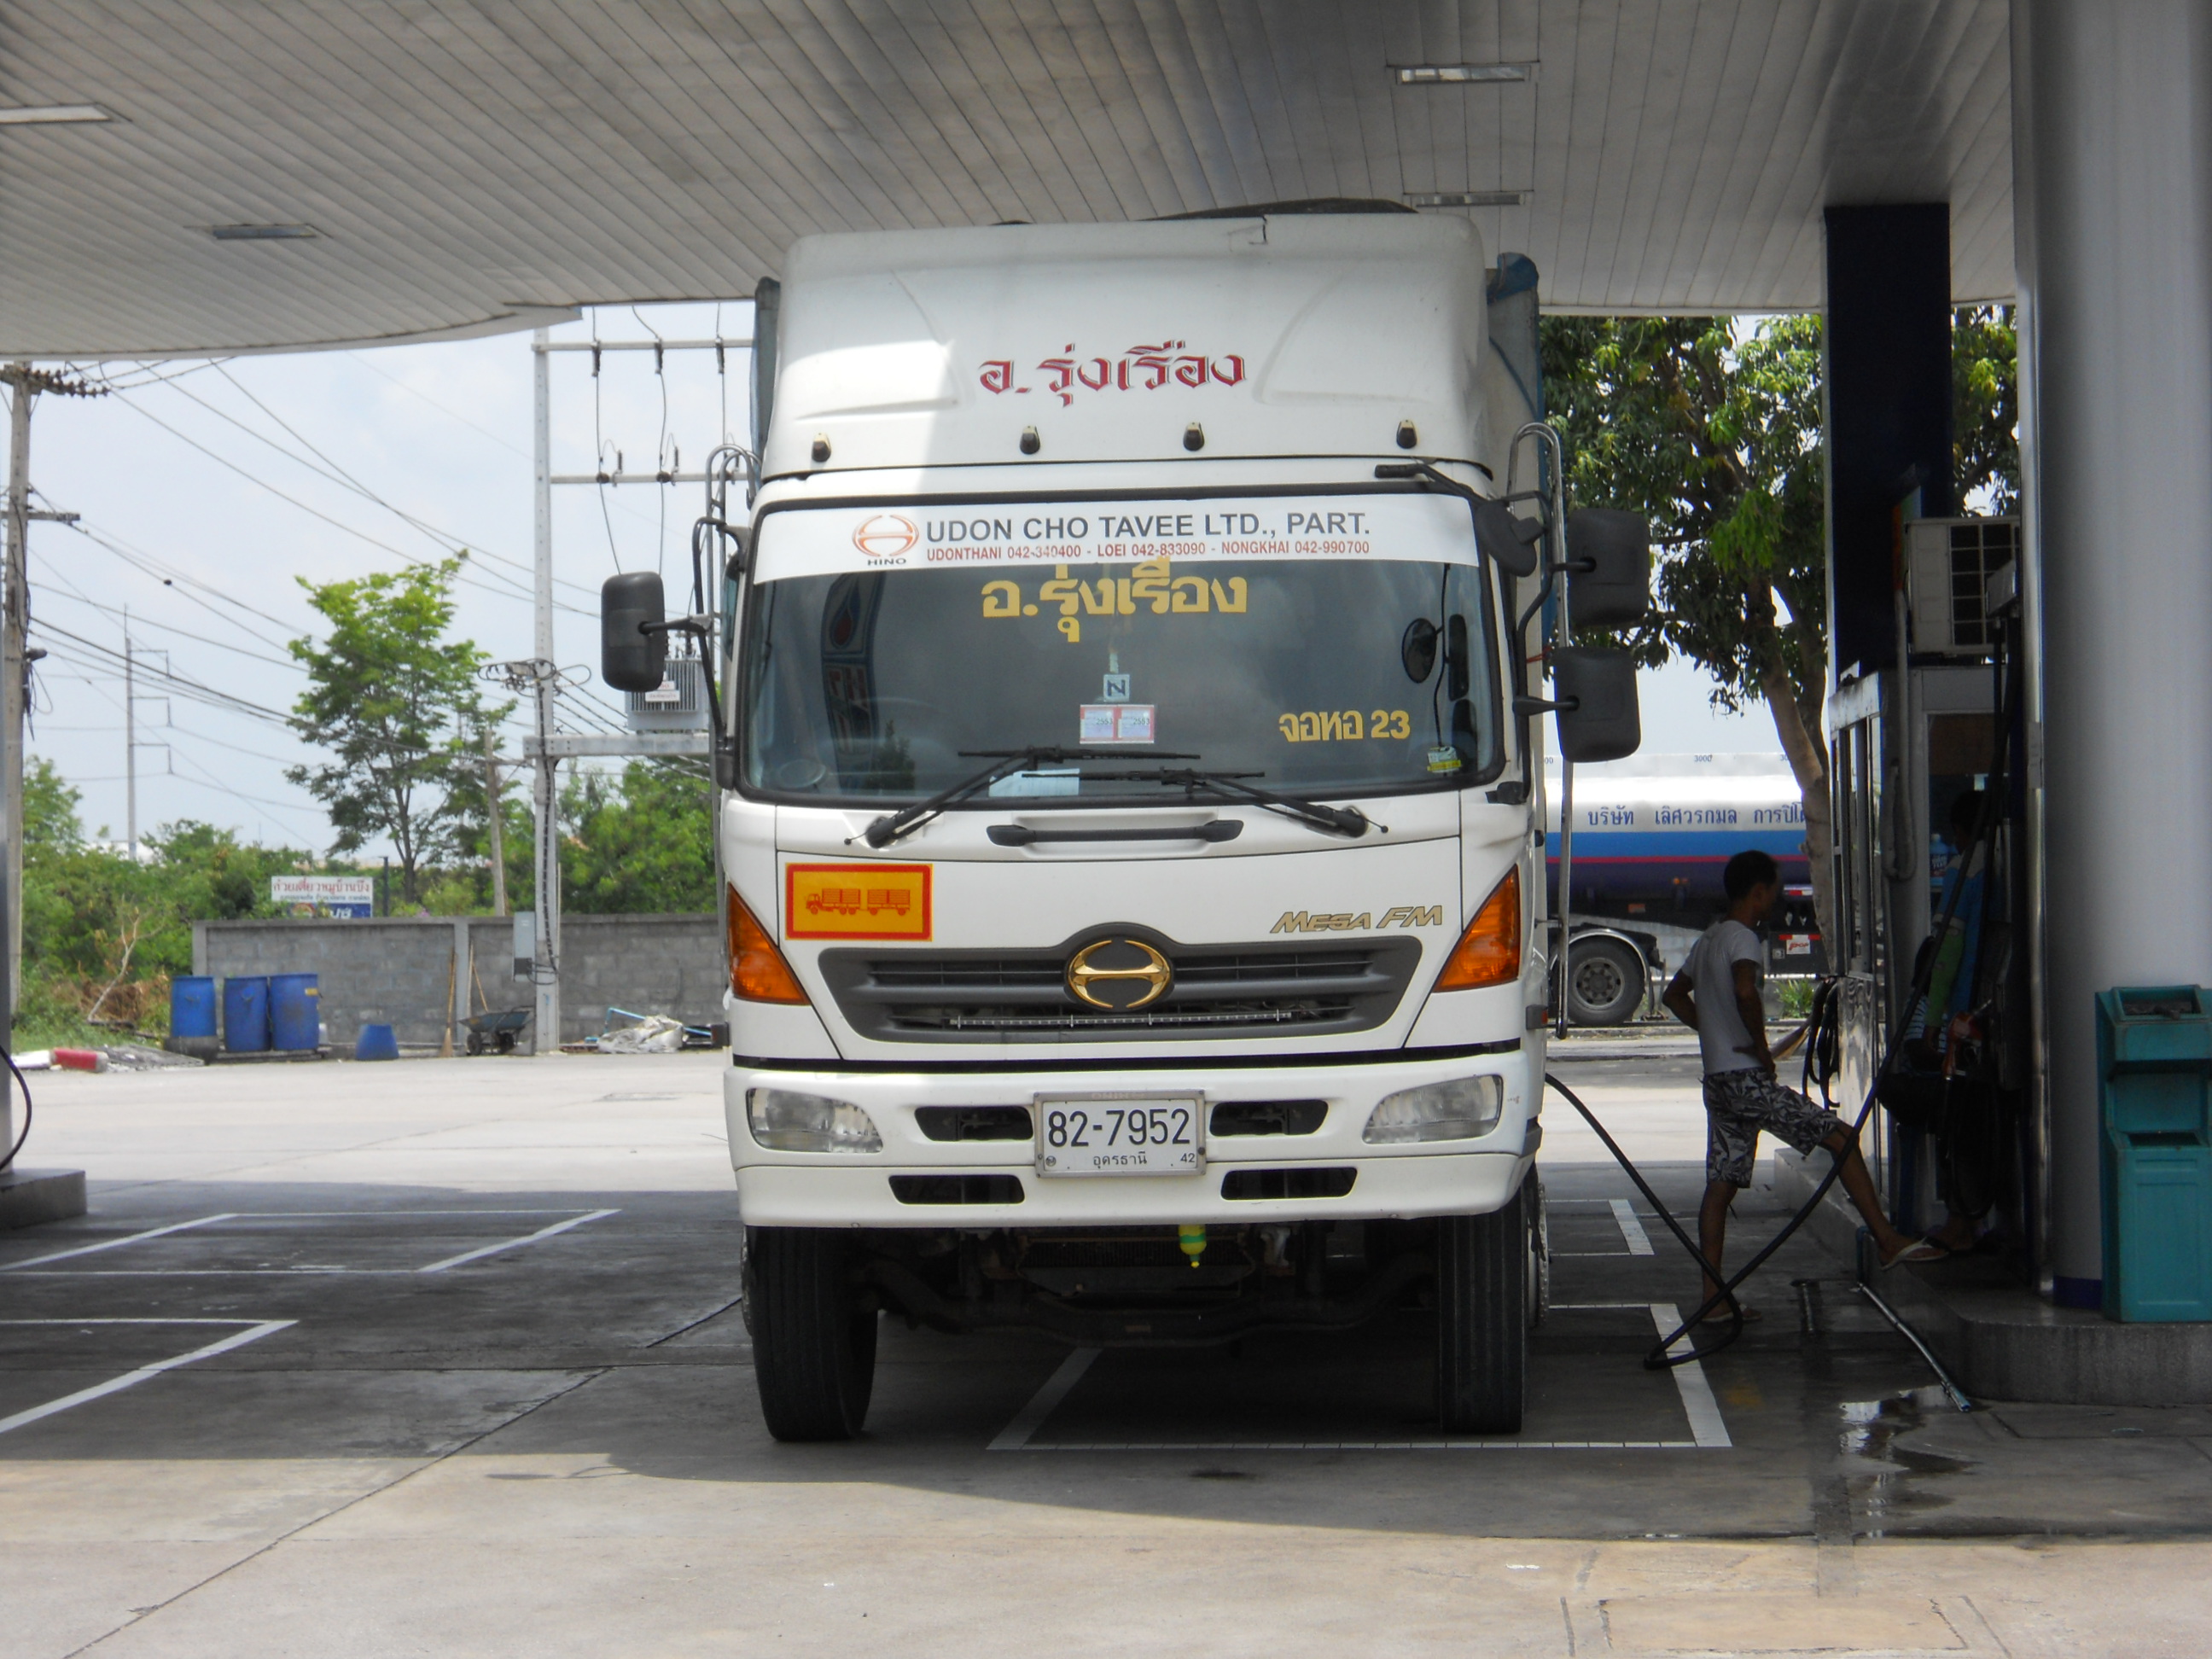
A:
x,y
1820,1041
8,1161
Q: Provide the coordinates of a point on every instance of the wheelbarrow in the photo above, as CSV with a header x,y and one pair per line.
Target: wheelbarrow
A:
x,y
496,1029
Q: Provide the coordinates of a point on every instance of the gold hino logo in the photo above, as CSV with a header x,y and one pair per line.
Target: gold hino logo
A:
x,y
1104,973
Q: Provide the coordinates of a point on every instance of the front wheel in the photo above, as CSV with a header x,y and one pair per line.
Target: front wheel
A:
x,y
1482,1319
814,1333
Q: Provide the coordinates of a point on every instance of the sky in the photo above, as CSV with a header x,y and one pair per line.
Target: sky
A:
x,y
207,492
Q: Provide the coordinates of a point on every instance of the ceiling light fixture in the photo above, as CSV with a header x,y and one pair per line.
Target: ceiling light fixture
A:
x,y
1469,199
263,233
1460,74
52,115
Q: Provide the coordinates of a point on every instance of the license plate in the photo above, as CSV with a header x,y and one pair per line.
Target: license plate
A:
x,y
1119,1134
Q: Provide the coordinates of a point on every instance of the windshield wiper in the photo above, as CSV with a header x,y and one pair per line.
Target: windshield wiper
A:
x,y
1338,820
1004,763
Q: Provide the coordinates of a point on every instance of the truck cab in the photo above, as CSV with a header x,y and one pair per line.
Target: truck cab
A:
x,y
1133,837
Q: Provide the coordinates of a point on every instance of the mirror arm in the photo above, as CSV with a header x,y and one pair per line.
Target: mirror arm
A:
x,y
1525,707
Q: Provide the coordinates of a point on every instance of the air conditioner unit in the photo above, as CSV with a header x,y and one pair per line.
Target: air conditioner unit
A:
x,y
678,703
1948,564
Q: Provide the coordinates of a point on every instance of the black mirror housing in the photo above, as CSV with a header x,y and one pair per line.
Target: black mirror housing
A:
x,y
630,657
1598,716
1608,568
1507,542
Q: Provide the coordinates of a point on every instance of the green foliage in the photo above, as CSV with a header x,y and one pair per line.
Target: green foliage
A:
x,y
644,846
1715,439
1986,405
398,705
102,936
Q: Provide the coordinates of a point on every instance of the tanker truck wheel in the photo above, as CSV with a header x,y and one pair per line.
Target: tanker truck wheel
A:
x,y
1482,1319
1605,982
814,1333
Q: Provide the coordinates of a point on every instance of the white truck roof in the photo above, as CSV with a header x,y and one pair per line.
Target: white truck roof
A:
x,y
1296,335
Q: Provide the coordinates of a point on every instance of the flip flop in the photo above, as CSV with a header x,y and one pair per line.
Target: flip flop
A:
x,y
1926,1249
1720,1316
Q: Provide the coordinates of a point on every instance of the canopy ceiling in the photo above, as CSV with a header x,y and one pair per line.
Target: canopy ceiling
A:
x,y
467,168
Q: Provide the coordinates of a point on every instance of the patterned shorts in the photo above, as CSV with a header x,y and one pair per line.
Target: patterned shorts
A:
x,y
1738,1104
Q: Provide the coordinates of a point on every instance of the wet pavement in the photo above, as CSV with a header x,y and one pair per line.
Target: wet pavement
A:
x,y
445,1358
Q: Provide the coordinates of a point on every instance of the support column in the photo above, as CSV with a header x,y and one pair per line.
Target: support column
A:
x,y
2113,190
1887,375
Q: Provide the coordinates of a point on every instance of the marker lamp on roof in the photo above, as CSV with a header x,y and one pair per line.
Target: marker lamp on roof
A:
x,y
783,1121
1461,1110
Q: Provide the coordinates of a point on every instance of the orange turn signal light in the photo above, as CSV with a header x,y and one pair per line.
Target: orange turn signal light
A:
x,y
1489,952
758,972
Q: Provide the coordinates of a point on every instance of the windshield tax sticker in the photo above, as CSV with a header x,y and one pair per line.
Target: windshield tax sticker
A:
x,y
918,535
1116,722
856,901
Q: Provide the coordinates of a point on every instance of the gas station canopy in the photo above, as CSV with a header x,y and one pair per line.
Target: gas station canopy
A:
x,y
235,177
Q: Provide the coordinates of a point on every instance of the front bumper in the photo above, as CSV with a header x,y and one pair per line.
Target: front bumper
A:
x,y
839,1190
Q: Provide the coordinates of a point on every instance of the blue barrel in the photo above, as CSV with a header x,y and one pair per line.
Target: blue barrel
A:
x,y
245,1014
192,1007
296,1007
376,1043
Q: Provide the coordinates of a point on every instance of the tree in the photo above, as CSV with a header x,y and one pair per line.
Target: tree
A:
x,y
648,846
398,705
104,934
1713,433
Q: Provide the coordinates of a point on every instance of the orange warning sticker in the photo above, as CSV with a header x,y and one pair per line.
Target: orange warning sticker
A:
x,y
856,901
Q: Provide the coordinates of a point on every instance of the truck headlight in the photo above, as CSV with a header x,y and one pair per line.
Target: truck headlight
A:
x,y
1458,1110
784,1122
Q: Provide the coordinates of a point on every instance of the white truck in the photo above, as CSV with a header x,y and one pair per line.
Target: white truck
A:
x,y
1130,794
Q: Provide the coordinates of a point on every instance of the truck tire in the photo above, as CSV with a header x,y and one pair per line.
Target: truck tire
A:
x,y
1605,982
814,1336
1482,1319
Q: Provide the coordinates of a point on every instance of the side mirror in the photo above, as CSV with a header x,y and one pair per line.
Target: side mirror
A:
x,y
630,657
1608,568
1596,690
1507,542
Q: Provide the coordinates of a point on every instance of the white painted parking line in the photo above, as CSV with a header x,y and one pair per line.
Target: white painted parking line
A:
x,y
1623,1216
130,1379
1697,1403
113,1243
1015,1437
516,1243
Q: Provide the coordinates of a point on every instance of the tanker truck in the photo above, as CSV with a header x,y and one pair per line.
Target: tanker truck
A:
x,y
1131,792
1651,836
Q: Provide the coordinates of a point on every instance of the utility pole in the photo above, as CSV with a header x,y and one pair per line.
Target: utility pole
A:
x,y
545,969
498,834
130,738
12,727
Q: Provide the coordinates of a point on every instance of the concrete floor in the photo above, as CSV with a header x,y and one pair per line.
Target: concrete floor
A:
x,y
461,1373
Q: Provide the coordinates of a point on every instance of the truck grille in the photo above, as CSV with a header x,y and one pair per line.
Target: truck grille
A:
x,y
996,996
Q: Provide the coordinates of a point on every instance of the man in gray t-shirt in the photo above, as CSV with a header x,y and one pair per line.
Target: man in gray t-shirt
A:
x,y
1716,995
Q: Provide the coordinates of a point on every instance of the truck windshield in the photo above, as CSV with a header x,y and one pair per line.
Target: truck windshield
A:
x,y
1339,647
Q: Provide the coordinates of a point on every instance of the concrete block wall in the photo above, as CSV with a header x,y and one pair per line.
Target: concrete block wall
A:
x,y
396,970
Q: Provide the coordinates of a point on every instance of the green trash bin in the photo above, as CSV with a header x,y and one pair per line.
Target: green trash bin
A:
x,y
2154,1073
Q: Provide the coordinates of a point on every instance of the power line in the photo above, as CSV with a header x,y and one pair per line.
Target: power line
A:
x,y
75,593
512,589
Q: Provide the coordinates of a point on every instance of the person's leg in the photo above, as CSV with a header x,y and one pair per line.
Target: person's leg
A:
x,y
1712,1231
1859,1182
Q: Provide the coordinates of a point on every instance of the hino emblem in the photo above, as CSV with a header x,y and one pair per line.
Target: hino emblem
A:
x,y
1133,966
